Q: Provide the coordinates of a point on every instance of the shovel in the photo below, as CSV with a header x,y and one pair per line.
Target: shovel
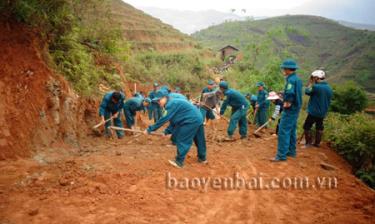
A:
x,y
134,131
260,128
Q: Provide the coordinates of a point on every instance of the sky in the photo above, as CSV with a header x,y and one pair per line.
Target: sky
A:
x,y
220,5
358,11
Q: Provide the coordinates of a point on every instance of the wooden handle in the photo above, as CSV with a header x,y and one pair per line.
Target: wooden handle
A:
x,y
101,123
261,127
135,131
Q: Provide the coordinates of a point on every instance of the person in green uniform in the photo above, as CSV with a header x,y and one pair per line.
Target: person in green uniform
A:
x,y
320,99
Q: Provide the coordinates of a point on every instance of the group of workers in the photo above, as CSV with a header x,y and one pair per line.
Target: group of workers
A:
x,y
187,119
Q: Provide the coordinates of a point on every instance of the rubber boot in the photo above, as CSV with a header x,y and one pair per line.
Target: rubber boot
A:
x,y
308,139
318,137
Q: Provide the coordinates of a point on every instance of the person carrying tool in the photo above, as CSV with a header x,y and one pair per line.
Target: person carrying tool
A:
x,y
131,107
287,136
206,111
320,98
239,106
111,106
276,99
252,100
262,105
185,126
154,110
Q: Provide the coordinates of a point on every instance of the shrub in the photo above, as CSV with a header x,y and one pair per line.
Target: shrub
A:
x,y
353,137
349,98
184,69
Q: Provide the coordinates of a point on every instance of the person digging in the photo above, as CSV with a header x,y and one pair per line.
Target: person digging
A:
x,y
110,107
207,113
261,105
131,107
185,126
239,106
154,111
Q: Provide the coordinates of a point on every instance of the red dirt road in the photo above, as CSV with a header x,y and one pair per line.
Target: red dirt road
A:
x,y
124,181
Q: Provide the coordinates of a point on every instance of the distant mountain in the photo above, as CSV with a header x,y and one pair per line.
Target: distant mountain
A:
x,y
191,21
358,11
316,42
358,26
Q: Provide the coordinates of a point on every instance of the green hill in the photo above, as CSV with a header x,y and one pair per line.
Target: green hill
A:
x,y
315,42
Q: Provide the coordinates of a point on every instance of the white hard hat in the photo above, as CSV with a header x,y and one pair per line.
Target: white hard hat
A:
x,y
319,74
273,96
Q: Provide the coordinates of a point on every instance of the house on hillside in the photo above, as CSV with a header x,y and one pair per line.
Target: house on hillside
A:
x,y
228,52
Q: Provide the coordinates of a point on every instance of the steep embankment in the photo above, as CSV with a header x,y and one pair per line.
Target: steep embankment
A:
x,y
347,54
146,32
37,106
48,47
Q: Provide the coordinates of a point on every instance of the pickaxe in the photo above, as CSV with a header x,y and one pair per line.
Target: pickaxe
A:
x,y
103,122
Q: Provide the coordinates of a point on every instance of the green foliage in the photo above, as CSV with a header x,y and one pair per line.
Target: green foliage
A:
x,y
349,98
186,70
353,137
247,72
80,35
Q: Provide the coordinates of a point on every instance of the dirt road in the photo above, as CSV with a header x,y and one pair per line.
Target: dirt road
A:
x,y
129,181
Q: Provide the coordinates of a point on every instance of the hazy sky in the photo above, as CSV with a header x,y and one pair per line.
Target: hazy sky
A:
x,y
221,5
360,11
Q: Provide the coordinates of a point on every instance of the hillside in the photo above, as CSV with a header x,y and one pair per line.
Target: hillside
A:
x,y
159,52
145,32
316,42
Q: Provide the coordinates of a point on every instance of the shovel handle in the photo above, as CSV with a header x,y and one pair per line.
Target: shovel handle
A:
x,y
300,138
261,127
255,115
135,131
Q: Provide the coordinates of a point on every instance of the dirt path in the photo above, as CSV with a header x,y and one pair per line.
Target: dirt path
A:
x,y
125,181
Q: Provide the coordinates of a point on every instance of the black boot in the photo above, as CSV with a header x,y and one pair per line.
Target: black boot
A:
x,y
318,137
308,138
